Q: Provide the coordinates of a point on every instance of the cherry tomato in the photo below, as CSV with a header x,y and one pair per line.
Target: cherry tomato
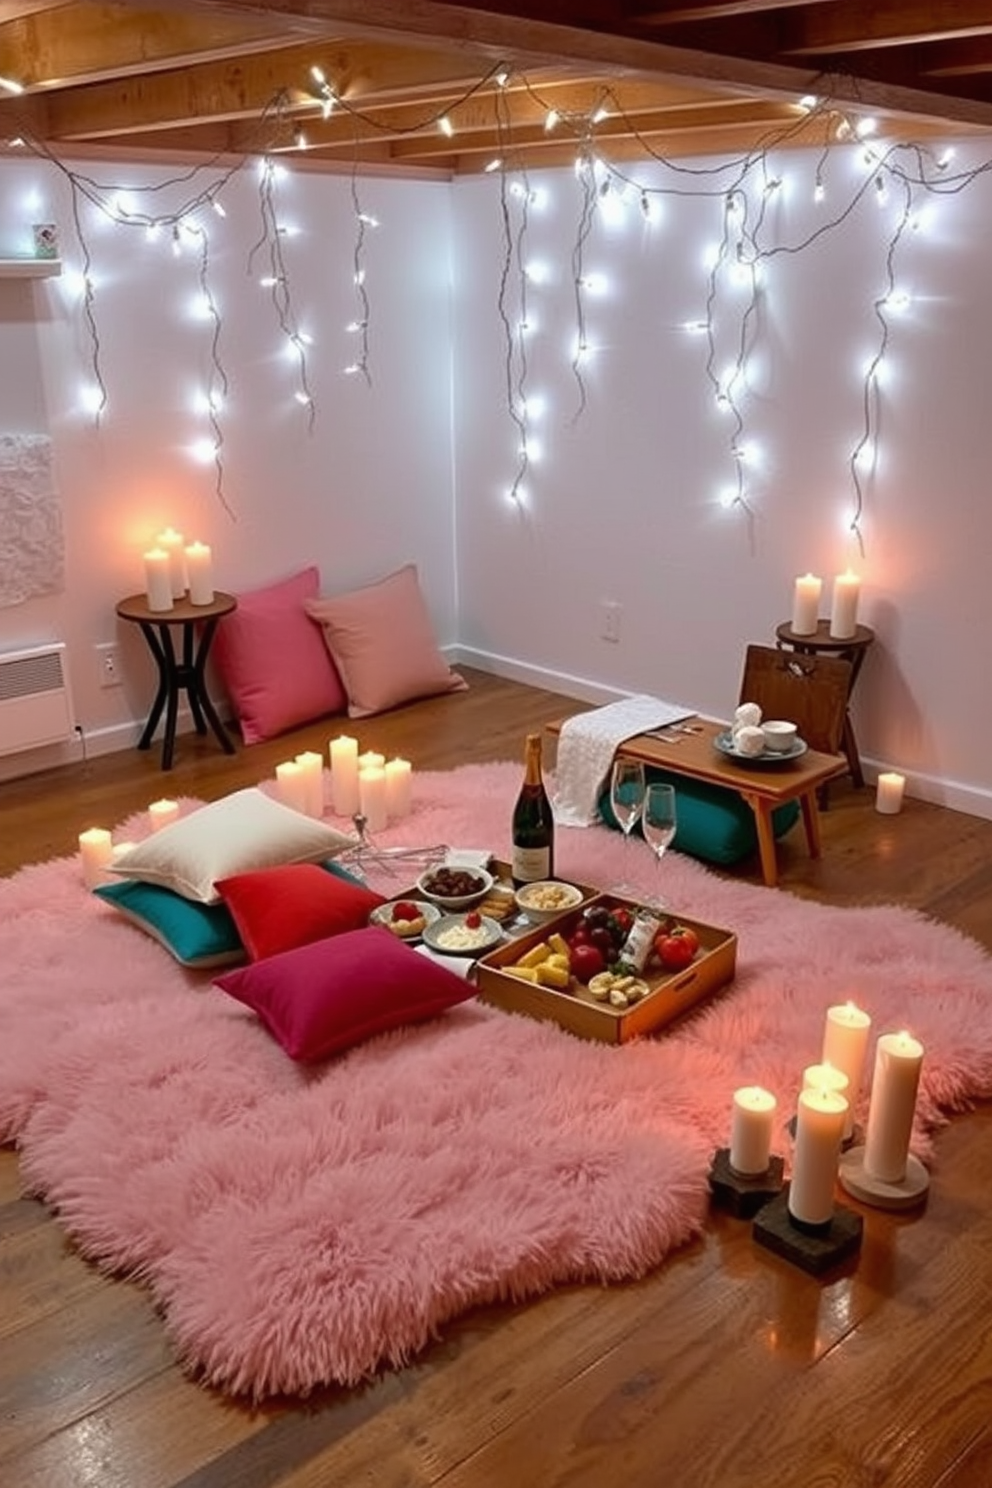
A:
x,y
675,948
404,910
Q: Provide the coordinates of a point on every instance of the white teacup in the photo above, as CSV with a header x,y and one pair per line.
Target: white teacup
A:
x,y
780,735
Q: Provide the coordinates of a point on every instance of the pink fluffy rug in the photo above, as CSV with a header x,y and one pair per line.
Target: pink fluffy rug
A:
x,y
304,1226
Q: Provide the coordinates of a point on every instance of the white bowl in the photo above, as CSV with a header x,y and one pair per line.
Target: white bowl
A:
x,y
780,736
546,899
428,886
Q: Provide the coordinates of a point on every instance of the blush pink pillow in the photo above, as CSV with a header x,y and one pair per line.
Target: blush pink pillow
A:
x,y
272,660
382,643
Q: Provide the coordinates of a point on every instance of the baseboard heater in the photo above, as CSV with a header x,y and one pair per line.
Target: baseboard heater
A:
x,y
35,706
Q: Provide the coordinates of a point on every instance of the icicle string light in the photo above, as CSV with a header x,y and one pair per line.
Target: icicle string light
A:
x,y
278,283
362,222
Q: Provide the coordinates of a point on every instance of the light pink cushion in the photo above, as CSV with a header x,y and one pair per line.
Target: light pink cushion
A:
x,y
272,660
383,645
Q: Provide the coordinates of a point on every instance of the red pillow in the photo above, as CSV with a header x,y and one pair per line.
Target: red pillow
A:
x,y
277,909
325,997
273,662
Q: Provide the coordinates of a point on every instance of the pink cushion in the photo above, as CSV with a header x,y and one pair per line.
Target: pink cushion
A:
x,y
277,909
383,645
272,660
324,997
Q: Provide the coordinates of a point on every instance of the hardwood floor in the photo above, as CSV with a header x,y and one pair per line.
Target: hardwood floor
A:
x,y
727,1367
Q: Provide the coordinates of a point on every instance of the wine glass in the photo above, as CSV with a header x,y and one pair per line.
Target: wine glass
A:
x,y
627,800
659,818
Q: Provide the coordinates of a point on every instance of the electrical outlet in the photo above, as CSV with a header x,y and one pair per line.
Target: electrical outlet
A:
x,y
108,658
610,613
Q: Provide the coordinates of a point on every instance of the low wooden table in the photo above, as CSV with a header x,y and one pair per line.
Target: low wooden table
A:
x,y
762,787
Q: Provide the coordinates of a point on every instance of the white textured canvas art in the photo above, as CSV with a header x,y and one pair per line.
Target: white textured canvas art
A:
x,y
32,545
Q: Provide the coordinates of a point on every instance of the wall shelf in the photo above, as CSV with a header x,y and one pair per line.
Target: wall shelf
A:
x,y
29,268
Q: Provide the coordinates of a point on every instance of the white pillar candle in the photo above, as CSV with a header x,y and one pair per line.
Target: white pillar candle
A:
x,y
828,1077
751,1130
312,765
120,849
171,542
344,775
161,813
819,1132
889,793
806,604
844,611
291,786
398,788
372,797
845,1043
200,574
95,854
371,761
898,1061
158,584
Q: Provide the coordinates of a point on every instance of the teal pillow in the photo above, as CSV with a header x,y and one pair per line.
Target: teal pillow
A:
x,y
197,935
714,824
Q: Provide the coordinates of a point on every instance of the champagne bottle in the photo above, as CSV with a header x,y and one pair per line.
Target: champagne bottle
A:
x,y
533,823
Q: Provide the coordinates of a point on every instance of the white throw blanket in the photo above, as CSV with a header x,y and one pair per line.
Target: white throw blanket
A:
x,y
587,744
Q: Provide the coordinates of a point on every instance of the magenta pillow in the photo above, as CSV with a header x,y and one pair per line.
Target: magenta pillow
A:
x,y
382,643
325,997
272,660
277,909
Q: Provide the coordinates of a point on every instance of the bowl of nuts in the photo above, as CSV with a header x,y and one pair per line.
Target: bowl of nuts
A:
x,y
544,900
454,888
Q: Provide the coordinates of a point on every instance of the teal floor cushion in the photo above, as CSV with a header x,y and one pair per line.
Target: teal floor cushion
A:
x,y
714,824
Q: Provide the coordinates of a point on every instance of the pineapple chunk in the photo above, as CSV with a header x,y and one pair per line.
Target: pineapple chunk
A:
x,y
523,973
550,975
535,955
559,946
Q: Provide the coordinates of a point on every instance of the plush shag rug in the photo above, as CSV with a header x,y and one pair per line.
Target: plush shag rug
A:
x,y
304,1226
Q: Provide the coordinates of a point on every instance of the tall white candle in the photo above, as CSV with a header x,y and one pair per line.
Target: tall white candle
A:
x,y
95,854
161,813
158,584
806,604
171,542
398,788
898,1061
372,797
312,765
291,786
819,1132
751,1130
844,611
344,775
199,572
889,792
845,1043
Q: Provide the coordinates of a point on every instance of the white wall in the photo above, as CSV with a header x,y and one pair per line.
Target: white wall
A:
x,y
623,505
368,490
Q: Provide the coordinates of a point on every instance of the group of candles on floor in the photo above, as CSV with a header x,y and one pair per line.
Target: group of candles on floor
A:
x,y
369,784
881,1171
366,784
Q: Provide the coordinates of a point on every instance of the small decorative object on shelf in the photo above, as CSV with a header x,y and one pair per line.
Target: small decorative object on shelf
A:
x,y
46,240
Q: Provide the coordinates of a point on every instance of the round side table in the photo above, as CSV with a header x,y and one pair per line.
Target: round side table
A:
x,y
851,648
175,674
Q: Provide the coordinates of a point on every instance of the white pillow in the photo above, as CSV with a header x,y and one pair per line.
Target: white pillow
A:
x,y
239,833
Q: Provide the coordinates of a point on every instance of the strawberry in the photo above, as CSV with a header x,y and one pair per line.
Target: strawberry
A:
x,y
473,920
404,910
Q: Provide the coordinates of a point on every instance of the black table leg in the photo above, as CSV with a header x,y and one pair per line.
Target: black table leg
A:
x,y
188,674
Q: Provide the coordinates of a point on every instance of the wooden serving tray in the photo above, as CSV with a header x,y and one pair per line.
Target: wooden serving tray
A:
x,y
671,993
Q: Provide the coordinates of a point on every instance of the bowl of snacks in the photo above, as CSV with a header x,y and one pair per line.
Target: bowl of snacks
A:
x,y
544,900
406,918
454,888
